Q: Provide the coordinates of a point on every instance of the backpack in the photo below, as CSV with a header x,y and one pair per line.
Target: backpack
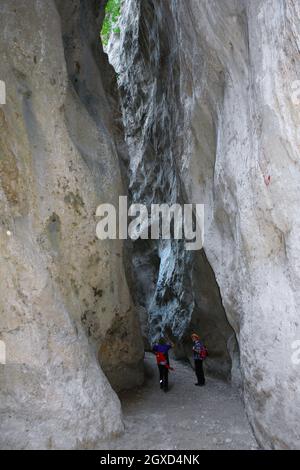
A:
x,y
200,349
161,358
203,352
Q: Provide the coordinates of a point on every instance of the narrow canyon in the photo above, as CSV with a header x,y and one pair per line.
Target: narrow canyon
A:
x,y
188,102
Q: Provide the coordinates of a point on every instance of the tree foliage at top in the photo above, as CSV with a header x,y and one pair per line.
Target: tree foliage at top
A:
x,y
112,13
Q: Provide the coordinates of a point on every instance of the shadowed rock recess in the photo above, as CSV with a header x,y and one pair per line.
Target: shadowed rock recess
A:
x,y
201,112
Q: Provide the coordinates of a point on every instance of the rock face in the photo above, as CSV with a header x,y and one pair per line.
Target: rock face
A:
x,y
211,84
176,287
151,118
64,298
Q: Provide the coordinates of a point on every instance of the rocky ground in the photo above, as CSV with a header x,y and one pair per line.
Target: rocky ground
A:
x,y
187,417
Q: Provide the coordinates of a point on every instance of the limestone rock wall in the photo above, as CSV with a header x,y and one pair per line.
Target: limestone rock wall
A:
x,y
64,299
211,82
242,160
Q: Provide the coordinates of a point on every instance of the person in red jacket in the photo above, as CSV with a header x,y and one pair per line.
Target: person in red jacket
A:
x,y
161,350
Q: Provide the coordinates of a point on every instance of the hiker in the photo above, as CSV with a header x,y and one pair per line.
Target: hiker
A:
x,y
199,354
161,350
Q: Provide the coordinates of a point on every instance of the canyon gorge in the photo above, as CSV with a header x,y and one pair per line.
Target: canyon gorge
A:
x,y
192,101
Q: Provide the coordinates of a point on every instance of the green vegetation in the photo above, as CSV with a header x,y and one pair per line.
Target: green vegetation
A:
x,y
112,13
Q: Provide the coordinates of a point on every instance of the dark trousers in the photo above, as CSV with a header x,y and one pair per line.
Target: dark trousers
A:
x,y
163,377
199,371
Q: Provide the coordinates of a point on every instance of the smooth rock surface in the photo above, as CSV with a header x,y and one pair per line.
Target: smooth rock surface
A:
x,y
64,298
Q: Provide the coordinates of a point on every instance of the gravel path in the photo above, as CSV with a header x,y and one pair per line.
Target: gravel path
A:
x,y
187,417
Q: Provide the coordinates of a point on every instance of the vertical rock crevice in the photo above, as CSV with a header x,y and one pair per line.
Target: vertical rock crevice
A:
x,y
175,289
